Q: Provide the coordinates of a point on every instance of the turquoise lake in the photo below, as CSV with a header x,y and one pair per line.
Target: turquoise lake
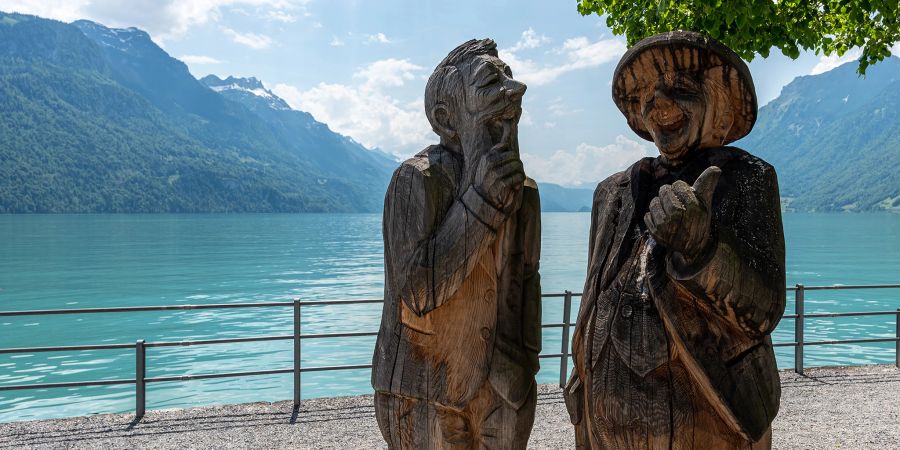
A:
x,y
80,261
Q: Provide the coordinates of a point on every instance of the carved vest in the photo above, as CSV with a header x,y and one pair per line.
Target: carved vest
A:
x,y
627,317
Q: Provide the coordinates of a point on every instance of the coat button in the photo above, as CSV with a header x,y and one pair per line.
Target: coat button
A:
x,y
626,310
485,333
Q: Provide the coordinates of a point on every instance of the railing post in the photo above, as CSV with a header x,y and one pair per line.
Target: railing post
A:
x,y
798,329
564,358
897,354
296,353
140,372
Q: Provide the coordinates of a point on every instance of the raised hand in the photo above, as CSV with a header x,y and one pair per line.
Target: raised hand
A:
x,y
680,216
498,175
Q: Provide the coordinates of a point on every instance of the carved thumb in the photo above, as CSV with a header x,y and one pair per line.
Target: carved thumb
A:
x,y
706,183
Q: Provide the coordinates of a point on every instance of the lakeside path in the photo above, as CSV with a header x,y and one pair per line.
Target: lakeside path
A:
x,y
838,407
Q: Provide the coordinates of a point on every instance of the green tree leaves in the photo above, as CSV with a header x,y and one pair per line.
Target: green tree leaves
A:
x,y
752,27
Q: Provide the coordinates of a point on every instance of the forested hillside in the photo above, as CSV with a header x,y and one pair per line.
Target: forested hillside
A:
x,y
834,139
94,119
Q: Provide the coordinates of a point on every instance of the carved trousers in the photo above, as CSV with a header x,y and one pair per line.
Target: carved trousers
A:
x,y
487,422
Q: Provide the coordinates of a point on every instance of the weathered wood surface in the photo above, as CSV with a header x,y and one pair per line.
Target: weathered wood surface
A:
x,y
457,350
686,266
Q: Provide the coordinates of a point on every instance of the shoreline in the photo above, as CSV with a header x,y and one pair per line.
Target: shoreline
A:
x,y
829,407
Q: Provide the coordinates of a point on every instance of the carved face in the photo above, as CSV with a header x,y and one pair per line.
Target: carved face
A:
x,y
673,112
493,102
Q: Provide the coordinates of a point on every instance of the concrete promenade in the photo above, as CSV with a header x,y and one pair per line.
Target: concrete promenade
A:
x,y
846,408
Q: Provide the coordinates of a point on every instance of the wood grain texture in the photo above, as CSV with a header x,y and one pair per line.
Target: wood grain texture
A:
x,y
686,268
456,354
689,55
691,366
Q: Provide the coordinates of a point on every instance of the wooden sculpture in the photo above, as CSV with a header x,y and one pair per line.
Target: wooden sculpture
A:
x,y
460,333
686,265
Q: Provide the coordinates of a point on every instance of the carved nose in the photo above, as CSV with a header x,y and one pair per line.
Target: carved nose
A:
x,y
514,89
663,100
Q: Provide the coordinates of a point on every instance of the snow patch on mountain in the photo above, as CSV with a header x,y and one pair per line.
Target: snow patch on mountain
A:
x,y
247,86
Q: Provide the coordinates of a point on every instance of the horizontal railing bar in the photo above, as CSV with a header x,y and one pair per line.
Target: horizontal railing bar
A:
x,y
62,385
844,314
326,368
851,341
40,312
852,314
846,341
561,295
338,302
217,341
44,312
206,376
66,348
851,286
337,335
552,355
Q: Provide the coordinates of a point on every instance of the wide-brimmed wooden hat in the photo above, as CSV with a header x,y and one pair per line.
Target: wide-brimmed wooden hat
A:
x,y
695,55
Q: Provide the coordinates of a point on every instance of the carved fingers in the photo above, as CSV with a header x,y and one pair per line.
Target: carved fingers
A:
x,y
499,175
680,216
705,185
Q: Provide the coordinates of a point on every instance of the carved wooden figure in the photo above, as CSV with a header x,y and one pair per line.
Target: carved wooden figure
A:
x,y
458,346
686,265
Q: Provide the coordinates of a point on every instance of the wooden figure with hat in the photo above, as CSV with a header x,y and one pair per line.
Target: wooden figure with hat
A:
x,y
686,275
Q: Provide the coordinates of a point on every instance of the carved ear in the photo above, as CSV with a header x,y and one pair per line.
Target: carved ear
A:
x,y
442,124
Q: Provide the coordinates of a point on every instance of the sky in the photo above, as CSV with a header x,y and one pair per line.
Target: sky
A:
x,y
361,66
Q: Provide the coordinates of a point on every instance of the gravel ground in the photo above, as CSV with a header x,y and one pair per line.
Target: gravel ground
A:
x,y
842,407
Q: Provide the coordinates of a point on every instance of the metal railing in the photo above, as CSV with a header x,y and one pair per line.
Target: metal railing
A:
x,y
800,317
140,346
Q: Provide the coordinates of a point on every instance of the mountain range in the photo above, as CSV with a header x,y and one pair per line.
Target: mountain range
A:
x,y
96,119
834,139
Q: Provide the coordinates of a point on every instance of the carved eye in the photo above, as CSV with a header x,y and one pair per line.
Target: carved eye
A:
x,y
685,90
489,80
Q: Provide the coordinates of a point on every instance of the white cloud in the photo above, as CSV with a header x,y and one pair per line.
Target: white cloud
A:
x,y
281,16
832,61
336,42
589,164
558,108
163,19
578,53
65,10
525,120
364,111
530,39
387,73
378,38
252,40
199,59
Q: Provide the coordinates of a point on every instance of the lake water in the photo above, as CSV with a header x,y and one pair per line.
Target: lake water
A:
x,y
76,261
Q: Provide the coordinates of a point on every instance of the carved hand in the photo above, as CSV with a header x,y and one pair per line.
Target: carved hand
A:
x,y
498,175
680,216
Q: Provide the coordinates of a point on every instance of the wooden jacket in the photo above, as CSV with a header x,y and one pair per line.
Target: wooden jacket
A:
x,y
462,290
720,312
